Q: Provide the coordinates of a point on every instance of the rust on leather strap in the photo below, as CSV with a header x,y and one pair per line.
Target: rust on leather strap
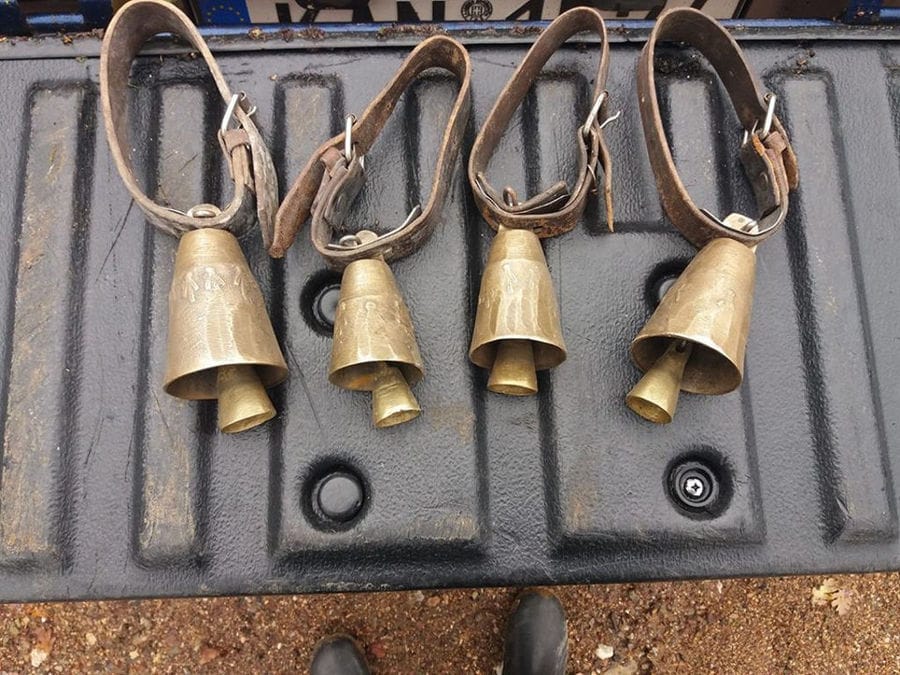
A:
x,y
333,176
558,208
766,153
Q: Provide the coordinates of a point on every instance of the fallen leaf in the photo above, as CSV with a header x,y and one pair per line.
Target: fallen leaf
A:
x,y
824,593
43,644
208,654
377,650
841,601
829,594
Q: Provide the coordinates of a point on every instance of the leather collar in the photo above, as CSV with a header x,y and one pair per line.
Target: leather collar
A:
x,y
766,153
558,208
255,184
326,187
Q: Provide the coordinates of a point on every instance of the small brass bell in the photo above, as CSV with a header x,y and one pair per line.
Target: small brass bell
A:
x,y
374,347
517,328
696,338
221,344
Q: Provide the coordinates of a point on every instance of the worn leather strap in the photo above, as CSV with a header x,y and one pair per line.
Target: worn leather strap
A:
x,y
330,181
255,184
768,159
558,208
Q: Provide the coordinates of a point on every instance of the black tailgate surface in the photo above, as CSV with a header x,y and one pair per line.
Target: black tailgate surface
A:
x,y
110,488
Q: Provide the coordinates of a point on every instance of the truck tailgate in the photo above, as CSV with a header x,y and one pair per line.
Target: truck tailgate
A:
x,y
110,488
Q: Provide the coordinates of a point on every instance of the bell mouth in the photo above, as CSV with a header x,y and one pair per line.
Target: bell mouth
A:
x,y
248,423
708,371
396,418
647,409
546,354
201,384
364,376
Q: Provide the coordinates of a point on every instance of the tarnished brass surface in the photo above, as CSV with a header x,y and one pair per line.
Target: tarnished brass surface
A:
x,y
243,402
217,317
709,307
392,400
517,302
655,396
373,335
513,371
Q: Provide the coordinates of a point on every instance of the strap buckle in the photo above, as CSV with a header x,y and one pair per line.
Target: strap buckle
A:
x,y
762,186
349,155
242,98
767,122
228,144
594,112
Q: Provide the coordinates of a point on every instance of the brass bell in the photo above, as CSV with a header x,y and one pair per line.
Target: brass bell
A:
x,y
517,328
221,344
696,338
374,347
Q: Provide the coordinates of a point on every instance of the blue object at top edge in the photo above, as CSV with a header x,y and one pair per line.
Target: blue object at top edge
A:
x,y
96,14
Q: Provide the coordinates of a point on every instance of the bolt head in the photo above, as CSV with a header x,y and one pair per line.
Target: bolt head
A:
x,y
694,487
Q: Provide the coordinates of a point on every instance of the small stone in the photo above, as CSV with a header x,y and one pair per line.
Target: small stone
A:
x,y
604,652
418,597
134,654
627,668
38,656
90,638
433,601
208,654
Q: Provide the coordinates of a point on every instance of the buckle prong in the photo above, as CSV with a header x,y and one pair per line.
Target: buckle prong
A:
x,y
595,110
229,110
349,121
767,121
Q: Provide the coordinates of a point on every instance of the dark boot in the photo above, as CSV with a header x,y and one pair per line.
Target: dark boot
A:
x,y
338,655
536,639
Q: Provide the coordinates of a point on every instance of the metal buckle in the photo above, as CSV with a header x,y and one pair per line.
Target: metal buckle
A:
x,y
349,121
767,122
737,222
592,115
240,97
366,236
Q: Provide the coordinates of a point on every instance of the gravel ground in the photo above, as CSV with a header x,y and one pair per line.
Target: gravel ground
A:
x,y
800,624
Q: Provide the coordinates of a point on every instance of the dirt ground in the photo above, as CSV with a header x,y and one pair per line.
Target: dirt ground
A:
x,y
801,624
